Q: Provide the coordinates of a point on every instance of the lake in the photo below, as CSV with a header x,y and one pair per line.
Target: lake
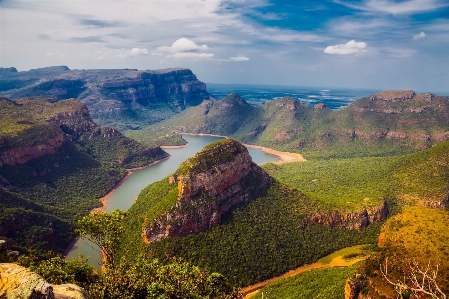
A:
x,y
125,195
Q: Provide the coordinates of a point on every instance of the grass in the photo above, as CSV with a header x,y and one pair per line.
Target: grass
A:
x,y
343,252
418,234
327,283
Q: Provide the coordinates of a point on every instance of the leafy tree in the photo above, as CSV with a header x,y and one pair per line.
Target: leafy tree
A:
x,y
104,230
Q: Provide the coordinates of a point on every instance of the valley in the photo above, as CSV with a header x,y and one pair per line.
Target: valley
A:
x,y
290,185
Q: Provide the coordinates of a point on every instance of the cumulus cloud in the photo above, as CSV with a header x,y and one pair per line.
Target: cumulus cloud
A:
x,y
419,36
138,51
133,53
351,47
184,48
239,58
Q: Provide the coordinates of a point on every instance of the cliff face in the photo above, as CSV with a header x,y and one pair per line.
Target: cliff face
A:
x,y
355,220
47,125
213,182
114,97
26,153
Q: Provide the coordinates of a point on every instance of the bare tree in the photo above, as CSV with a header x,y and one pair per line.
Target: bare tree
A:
x,y
421,282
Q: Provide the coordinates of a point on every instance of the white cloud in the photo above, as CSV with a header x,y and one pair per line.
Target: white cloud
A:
x,y
351,47
138,51
190,55
239,58
396,8
133,53
419,36
184,48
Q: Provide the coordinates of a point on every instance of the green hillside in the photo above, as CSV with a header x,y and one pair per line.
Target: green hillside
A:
x,y
272,234
55,163
387,123
352,184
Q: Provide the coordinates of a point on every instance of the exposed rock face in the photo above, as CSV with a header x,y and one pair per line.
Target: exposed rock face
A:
x,y
355,220
395,95
442,204
211,183
120,94
24,154
19,282
353,287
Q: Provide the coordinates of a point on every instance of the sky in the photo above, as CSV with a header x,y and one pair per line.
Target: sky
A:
x,y
374,44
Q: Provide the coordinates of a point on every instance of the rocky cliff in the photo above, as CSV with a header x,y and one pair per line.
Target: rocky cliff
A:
x,y
19,282
122,98
353,220
217,179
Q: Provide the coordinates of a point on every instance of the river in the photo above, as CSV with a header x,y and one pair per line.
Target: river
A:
x,y
125,195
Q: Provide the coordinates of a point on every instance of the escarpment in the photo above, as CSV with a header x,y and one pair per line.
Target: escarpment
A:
x,y
121,98
217,179
353,220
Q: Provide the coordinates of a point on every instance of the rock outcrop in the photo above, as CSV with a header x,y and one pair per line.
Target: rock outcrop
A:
x,y
19,282
354,220
26,153
126,95
217,179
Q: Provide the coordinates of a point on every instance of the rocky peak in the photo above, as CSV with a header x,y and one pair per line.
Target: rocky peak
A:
x,y
319,106
217,179
233,99
394,95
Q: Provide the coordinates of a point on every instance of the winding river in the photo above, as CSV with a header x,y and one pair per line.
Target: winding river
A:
x,y
125,195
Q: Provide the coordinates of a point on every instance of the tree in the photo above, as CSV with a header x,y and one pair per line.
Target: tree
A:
x,y
104,230
421,282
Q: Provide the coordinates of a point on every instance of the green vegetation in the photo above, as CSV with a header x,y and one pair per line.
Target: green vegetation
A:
x,y
152,138
347,252
369,127
213,154
104,230
41,200
265,238
344,184
352,184
326,283
417,235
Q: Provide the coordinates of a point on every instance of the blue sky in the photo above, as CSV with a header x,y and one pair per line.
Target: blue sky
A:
x,y
378,44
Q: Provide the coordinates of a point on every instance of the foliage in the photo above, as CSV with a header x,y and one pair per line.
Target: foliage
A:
x,y
328,283
265,238
418,235
45,197
105,230
147,278
342,184
56,270
352,184
154,138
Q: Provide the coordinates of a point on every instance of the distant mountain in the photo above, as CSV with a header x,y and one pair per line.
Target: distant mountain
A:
x,y
55,163
385,123
123,99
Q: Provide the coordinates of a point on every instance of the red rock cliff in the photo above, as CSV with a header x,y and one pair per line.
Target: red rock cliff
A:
x,y
217,179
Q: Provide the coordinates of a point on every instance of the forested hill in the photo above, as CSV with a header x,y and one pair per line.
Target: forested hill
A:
x,y
389,122
55,163
119,98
